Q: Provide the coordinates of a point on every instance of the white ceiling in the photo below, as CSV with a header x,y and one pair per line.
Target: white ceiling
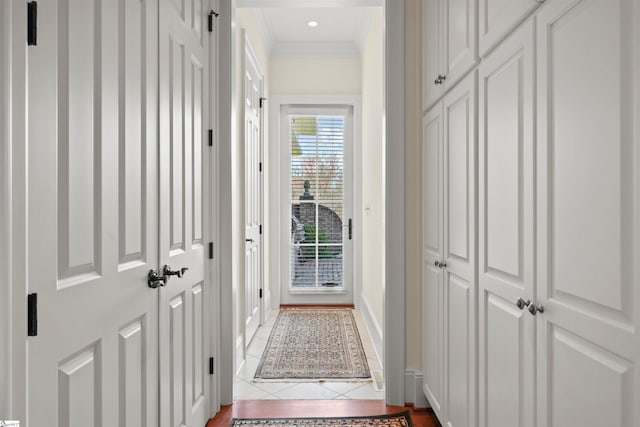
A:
x,y
340,33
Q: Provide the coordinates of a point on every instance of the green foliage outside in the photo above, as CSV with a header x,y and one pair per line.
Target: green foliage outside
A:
x,y
309,252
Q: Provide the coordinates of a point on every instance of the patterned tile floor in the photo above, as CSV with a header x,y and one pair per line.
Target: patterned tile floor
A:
x,y
244,388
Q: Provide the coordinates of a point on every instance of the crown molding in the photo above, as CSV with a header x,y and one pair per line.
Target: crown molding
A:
x,y
315,51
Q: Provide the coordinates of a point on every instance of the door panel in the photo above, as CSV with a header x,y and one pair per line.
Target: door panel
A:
x,y
433,252
459,40
586,255
432,51
459,150
506,332
506,363
93,214
498,17
460,348
252,92
182,319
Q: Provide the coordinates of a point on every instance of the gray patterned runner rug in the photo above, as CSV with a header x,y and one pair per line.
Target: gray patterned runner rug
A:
x,y
401,419
314,344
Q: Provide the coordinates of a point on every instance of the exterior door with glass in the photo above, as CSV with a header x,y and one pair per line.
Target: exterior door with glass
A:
x,y
318,146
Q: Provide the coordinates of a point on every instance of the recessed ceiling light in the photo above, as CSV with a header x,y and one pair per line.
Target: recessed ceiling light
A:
x,y
312,24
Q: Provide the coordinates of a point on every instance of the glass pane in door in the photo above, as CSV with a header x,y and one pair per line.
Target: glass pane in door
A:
x,y
317,200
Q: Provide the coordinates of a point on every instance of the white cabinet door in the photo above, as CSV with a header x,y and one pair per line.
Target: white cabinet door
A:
x,y
506,226
588,212
459,37
432,52
498,17
459,203
184,387
449,292
449,45
433,253
93,185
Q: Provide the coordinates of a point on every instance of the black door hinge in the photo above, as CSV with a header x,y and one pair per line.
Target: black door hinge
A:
x,y
260,293
260,228
350,229
32,315
32,23
211,366
210,16
262,99
210,134
210,250
260,167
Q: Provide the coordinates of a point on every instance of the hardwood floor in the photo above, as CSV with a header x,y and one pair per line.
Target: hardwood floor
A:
x,y
315,408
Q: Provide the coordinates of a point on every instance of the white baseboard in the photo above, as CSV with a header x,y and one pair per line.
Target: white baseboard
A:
x,y
239,359
413,389
374,329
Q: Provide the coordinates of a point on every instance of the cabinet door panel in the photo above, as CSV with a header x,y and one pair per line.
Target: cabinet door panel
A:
x,y
431,51
587,259
433,302
498,17
506,335
459,40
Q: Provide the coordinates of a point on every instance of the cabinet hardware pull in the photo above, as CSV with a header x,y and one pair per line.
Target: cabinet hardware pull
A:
x,y
533,309
521,304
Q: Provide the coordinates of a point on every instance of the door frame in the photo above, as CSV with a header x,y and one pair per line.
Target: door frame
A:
x,y
231,253
279,207
13,195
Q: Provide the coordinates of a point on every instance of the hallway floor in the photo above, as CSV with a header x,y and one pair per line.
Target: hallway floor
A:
x,y
323,408
246,388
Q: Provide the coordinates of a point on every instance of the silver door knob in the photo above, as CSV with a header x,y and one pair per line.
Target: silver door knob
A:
x,y
533,309
521,304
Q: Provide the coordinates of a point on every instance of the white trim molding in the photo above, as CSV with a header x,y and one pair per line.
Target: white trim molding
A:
x,y
413,393
373,328
13,219
308,3
394,303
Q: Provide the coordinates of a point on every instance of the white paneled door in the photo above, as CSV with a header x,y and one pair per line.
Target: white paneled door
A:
x,y
93,223
506,160
182,99
110,199
252,109
587,200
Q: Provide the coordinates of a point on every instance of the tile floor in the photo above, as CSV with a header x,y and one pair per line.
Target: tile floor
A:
x,y
245,388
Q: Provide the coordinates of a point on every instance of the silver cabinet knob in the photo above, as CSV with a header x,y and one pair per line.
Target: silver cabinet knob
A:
x,y
533,309
521,304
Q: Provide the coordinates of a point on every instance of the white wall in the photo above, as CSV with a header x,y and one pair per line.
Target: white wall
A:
x,y
413,184
315,76
372,214
244,21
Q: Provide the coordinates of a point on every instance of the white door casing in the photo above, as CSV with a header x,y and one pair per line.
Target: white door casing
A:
x,y
183,320
587,212
92,217
506,225
252,92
